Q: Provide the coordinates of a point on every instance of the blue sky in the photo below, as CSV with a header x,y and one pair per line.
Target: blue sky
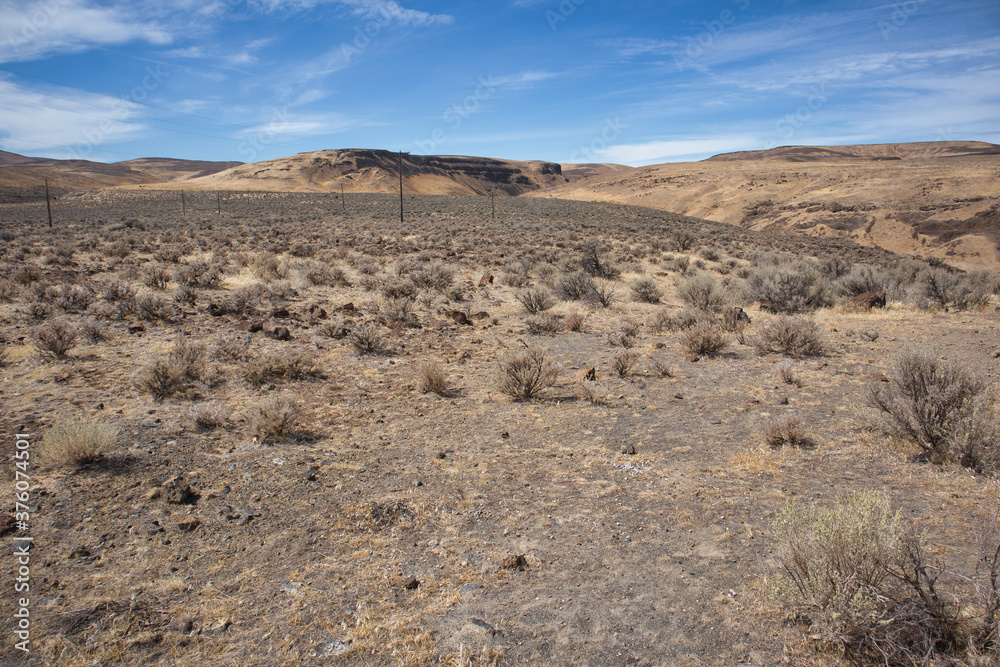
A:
x,y
629,81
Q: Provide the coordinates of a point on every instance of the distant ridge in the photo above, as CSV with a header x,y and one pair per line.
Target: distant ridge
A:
x,y
908,151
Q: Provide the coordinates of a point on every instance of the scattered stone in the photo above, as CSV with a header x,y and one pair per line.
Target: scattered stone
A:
x,y
7,525
783,401
679,397
411,584
487,279
469,588
280,313
179,492
188,524
693,358
481,315
154,527
483,625
505,435
459,317
629,450
417,482
514,562
79,552
346,308
216,309
135,327
442,455
316,312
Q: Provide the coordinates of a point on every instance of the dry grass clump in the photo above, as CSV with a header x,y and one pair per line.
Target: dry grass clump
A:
x,y
433,379
790,336
233,347
575,322
786,373
175,375
78,442
665,320
625,334
861,581
291,365
646,290
658,367
535,299
210,417
545,324
273,419
705,339
55,338
785,431
939,406
524,374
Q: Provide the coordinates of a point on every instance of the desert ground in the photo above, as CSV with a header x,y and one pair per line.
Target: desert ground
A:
x,y
307,453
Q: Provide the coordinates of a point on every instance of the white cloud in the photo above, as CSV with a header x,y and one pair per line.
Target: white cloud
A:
x,y
629,47
383,11
673,150
81,122
38,29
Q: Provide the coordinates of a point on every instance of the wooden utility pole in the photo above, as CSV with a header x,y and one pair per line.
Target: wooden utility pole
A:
x,y
48,202
401,186
343,202
184,208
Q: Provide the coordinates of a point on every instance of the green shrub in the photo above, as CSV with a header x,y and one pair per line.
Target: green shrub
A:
x,y
939,406
790,336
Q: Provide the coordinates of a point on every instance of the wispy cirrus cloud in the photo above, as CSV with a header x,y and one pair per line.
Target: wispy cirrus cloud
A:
x,y
384,10
629,47
34,30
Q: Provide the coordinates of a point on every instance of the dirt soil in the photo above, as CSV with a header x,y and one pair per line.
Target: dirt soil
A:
x,y
386,528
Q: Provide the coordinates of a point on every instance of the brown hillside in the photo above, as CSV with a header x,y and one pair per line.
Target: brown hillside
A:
x,y
361,170
938,199
21,173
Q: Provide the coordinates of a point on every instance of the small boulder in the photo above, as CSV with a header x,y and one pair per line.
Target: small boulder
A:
x,y
869,300
188,524
281,333
487,279
411,584
135,327
179,492
514,562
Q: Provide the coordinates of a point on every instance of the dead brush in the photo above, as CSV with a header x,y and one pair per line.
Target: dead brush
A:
x,y
524,374
366,338
233,347
535,300
785,431
545,324
625,334
78,442
55,339
281,366
790,336
211,417
274,419
705,339
576,322
152,307
787,374
658,367
434,380
623,362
